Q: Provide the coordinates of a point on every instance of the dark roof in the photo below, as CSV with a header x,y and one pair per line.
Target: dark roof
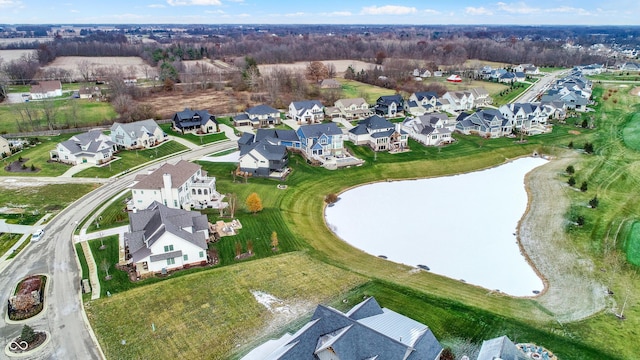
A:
x,y
189,118
246,139
317,130
359,130
286,135
426,94
147,226
376,122
261,110
269,151
389,99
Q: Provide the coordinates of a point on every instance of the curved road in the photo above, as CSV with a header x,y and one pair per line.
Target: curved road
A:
x,y
63,316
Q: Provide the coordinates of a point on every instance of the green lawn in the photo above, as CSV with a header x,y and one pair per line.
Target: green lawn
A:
x,y
220,309
113,216
87,113
196,139
129,159
509,94
7,241
20,248
38,156
355,89
633,244
631,133
42,199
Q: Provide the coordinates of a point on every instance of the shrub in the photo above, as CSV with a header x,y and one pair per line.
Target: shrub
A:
x,y
331,198
570,170
584,187
594,202
571,181
27,334
580,220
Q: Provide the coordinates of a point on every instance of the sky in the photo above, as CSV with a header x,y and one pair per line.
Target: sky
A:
x,y
419,12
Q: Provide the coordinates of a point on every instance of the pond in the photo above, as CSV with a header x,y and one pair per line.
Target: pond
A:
x,y
463,226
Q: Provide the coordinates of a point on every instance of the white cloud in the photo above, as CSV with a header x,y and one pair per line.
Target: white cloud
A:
x,y
522,8
388,10
159,6
477,11
431,11
74,11
337,13
216,12
193,2
9,3
296,14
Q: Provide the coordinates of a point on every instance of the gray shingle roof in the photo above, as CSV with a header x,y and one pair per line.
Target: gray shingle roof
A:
x,y
316,130
501,348
261,110
138,128
180,173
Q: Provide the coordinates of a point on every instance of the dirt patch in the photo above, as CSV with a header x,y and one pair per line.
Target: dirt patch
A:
x,y
340,65
572,293
165,104
130,65
635,91
574,132
19,166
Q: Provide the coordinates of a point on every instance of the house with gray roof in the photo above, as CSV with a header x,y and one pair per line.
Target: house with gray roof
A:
x,y
422,102
263,159
137,135
501,348
379,134
350,109
194,121
306,112
367,331
183,185
321,141
162,239
487,123
531,118
92,147
258,116
430,129
390,106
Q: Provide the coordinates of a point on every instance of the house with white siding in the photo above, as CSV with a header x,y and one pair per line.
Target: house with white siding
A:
x,y
46,89
162,239
183,185
137,135
306,112
379,134
5,148
430,129
92,147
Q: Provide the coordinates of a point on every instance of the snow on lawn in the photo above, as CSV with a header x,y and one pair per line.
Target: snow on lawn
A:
x,y
460,226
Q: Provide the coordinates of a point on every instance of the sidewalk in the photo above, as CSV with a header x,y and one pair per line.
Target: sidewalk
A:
x,y
184,142
3,258
76,169
229,132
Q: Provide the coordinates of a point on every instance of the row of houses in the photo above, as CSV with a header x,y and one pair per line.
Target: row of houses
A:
x,y
369,331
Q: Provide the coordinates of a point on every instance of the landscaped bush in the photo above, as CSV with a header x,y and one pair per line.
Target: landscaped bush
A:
x,y
24,305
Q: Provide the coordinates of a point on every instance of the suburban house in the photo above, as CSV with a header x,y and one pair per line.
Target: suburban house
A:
x,y
367,331
89,92
527,117
430,129
287,138
573,90
306,112
480,97
459,100
350,109
137,135
520,76
380,134
390,105
264,159
496,74
321,141
593,69
46,89
487,123
92,147
162,239
630,66
195,121
5,148
501,348
258,116
556,109
423,102
183,185
422,73
507,77
528,69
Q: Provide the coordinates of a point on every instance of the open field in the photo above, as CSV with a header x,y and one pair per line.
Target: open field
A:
x,y
130,65
355,89
207,318
10,55
41,198
340,65
216,102
7,241
87,113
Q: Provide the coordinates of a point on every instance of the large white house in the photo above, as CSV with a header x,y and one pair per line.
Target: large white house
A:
x,y
137,135
162,239
183,185
92,147
380,134
306,112
46,89
430,129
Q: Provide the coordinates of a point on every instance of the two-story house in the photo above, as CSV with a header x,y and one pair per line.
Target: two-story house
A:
x,y
195,121
183,185
306,112
321,141
459,100
423,102
137,135
258,116
430,129
390,106
352,109
379,134
263,159
162,239
486,123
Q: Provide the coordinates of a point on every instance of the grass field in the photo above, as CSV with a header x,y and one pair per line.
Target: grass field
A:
x,y
112,216
631,133
355,89
43,199
7,241
207,317
129,159
87,113
453,309
633,244
38,156
510,94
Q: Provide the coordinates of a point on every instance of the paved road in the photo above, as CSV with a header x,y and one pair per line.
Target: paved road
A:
x,y
63,317
540,87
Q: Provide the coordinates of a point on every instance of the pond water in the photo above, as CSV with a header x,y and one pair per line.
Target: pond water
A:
x,y
461,226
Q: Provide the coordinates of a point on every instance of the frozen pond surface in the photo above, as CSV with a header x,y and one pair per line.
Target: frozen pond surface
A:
x,y
459,226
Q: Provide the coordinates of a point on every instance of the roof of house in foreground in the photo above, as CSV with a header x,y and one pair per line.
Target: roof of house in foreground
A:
x,y
367,331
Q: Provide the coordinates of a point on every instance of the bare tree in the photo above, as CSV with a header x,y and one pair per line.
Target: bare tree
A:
x,y
233,201
317,71
124,105
105,266
85,69
49,110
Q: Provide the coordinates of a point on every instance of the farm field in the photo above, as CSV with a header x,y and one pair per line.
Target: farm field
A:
x,y
130,65
38,198
340,65
10,55
355,89
216,102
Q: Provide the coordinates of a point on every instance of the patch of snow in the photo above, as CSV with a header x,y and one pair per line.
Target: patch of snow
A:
x,y
271,302
460,226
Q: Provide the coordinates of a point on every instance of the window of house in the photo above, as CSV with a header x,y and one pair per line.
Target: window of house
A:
x,y
145,266
199,191
171,261
175,203
185,257
168,248
201,254
193,191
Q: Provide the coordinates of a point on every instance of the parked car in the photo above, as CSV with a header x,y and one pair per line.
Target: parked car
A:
x,y
37,235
